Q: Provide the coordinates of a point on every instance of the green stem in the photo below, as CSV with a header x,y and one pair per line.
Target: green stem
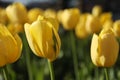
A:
x,y
29,69
4,74
51,70
75,59
97,73
106,74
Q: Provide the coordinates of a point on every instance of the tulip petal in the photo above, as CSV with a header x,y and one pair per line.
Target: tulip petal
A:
x,y
9,43
108,48
19,46
2,54
30,40
94,49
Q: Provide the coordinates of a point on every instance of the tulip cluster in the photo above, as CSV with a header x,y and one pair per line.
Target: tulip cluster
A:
x,y
96,22
41,29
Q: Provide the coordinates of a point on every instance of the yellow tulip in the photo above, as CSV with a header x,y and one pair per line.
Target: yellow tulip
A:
x,y
70,18
96,11
3,16
43,38
50,13
10,46
15,28
80,29
104,48
17,13
108,24
116,27
34,13
93,24
59,15
105,17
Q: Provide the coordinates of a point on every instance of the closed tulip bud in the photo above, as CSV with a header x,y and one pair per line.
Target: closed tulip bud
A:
x,y
10,46
70,18
3,16
17,13
34,13
15,28
43,38
50,13
104,48
96,11
116,27
59,15
80,29
93,24
108,24
105,17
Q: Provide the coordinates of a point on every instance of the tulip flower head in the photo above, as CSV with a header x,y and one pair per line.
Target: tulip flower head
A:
x,y
50,13
15,28
10,46
43,38
17,13
93,24
70,18
3,16
116,27
34,13
105,17
80,29
96,11
108,24
104,48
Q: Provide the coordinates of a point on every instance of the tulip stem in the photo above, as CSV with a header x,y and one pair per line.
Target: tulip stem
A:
x,y
29,69
51,70
106,74
4,74
75,59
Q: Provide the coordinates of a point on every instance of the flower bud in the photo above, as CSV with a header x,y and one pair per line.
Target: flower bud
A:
x,y
93,24
96,11
116,28
105,17
80,29
43,38
34,13
17,13
10,46
70,18
104,48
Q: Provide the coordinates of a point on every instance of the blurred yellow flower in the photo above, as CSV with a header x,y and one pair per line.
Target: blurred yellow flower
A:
x,y
105,17
43,38
34,13
3,16
93,24
17,13
104,48
15,28
50,13
59,15
96,11
116,27
80,29
10,46
70,18
108,24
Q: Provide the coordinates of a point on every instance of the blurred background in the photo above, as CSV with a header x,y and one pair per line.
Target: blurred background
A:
x,y
63,65
84,5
